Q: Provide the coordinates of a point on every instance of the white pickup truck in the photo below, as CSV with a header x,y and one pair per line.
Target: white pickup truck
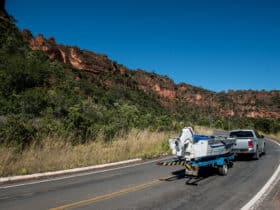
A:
x,y
248,142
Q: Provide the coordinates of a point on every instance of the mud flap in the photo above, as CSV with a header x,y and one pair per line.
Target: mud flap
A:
x,y
191,170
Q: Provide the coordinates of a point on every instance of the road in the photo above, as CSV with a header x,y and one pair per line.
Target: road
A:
x,y
144,186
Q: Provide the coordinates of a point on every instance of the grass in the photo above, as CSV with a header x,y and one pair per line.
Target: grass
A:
x,y
56,154
274,136
203,130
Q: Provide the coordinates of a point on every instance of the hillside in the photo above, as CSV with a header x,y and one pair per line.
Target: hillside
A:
x,y
51,89
263,104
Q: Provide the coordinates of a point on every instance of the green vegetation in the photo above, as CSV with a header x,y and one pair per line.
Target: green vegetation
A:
x,y
38,98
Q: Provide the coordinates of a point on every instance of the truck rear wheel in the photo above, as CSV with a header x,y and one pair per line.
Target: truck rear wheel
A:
x,y
257,154
264,151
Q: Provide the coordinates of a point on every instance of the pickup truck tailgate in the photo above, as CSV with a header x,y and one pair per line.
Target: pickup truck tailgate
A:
x,y
242,143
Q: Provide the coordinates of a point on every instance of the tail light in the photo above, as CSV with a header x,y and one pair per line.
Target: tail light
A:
x,y
250,144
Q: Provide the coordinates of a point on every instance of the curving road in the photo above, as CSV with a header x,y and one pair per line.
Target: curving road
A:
x,y
145,186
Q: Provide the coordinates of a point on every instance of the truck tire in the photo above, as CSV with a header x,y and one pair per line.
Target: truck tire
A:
x,y
223,170
264,151
257,154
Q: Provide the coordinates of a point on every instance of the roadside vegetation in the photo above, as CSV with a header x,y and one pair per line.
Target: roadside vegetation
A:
x,y
53,116
58,154
274,136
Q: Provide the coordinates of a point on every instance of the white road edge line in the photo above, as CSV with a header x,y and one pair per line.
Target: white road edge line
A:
x,y
260,196
85,173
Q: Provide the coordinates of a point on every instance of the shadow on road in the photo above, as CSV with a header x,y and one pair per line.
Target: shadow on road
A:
x,y
244,157
204,173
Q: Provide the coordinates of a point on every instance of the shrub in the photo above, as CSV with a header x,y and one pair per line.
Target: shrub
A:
x,y
33,101
16,132
18,74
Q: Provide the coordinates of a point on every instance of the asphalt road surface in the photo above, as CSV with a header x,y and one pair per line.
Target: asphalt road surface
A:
x,y
145,186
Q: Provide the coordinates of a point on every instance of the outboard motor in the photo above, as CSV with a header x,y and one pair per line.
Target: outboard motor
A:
x,y
182,145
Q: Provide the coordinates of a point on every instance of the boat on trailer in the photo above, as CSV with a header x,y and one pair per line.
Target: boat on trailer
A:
x,y
196,151
190,146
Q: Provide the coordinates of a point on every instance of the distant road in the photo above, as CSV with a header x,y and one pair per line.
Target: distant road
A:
x,y
220,133
138,187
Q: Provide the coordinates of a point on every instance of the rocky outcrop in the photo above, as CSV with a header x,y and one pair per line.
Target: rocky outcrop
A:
x,y
80,59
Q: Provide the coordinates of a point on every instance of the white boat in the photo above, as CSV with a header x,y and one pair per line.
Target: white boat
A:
x,y
194,147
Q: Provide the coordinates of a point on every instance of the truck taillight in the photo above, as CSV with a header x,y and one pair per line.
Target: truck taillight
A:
x,y
250,144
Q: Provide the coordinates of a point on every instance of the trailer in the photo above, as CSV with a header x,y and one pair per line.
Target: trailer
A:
x,y
196,152
192,167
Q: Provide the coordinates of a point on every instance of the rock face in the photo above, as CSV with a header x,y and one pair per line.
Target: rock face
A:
x,y
80,59
254,104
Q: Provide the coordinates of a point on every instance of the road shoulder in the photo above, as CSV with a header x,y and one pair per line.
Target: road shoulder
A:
x,y
272,200
14,179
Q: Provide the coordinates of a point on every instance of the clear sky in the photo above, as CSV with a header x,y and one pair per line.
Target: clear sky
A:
x,y
217,45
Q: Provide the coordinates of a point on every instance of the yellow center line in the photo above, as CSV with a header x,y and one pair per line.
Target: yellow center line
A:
x,y
110,195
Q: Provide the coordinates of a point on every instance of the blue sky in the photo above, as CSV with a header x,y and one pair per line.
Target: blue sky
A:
x,y
217,45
